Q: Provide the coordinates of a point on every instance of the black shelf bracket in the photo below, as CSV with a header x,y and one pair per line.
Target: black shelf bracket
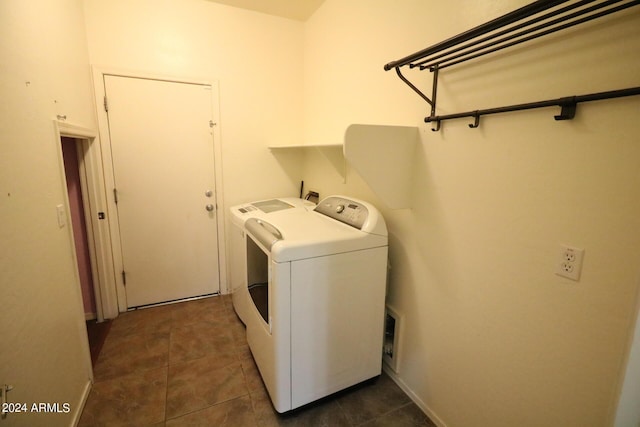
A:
x,y
537,19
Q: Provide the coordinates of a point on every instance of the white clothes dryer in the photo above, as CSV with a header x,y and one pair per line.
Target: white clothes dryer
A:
x,y
316,284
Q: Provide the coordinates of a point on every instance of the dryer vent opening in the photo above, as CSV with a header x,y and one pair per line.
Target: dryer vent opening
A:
x,y
391,347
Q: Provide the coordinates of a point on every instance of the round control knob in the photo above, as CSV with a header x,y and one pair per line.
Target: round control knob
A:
x,y
339,208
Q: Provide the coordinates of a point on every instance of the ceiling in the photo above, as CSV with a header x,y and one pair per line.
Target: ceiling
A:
x,y
299,10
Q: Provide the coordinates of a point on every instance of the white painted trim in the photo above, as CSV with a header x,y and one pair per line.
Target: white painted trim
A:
x,y
84,153
625,409
100,245
81,404
100,70
414,397
73,131
63,129
221,211
113,229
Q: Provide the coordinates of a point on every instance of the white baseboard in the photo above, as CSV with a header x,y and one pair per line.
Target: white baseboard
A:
x,y
80,406
423,406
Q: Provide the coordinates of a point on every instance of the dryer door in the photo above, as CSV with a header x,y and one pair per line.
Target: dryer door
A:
x,y
258,277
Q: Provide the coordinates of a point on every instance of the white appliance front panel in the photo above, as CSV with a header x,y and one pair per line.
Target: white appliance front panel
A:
x,y
270,344
337,322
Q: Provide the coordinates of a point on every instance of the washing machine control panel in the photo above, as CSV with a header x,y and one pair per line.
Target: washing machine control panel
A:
x,y
345,210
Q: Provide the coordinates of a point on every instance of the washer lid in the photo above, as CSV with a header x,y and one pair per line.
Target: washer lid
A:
x,y
273,205
309,234
240,213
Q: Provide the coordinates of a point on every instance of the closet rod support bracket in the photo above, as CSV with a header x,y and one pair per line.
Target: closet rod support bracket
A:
x,y
414,88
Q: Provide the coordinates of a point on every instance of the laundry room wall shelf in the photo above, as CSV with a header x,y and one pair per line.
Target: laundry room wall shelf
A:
x,y
296,146
537,19
332,152
382,155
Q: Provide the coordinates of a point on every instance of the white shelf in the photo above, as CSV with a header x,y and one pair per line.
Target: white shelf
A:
x,y
284,147
382,155
334,153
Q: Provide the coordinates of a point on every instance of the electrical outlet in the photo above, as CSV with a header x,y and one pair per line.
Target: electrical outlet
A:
x,y
570,262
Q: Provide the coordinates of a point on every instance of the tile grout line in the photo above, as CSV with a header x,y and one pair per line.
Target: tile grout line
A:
x,y
225,310
384,414
346,414
222,402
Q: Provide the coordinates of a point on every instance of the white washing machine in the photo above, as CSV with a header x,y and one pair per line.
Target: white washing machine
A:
x,y
263,209
316,298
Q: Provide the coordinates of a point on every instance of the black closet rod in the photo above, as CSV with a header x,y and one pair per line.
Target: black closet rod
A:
x,y
473,43
497,45
568,105
516,15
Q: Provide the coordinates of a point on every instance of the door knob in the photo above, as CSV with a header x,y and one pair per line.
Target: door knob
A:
x,y
210,207
208,193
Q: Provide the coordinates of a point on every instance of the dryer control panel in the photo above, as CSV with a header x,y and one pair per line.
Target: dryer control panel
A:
x,y
345,210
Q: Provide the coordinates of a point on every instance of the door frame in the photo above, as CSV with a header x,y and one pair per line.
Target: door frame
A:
x,y
92,184
98,74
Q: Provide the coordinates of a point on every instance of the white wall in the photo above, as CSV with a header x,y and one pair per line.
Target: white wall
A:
x,y
256,58
492,335
628,412
44,72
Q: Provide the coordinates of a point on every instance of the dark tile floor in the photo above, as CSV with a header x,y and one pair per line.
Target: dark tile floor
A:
x,y
189,364
97,333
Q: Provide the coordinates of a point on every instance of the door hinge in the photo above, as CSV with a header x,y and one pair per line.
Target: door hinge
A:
x,y
124,278
115,195
106,105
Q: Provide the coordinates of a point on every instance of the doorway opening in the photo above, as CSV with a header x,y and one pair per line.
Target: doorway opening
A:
x,y
82,174
75,176
79,224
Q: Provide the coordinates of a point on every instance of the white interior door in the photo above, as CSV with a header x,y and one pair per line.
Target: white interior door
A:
x,y
163,168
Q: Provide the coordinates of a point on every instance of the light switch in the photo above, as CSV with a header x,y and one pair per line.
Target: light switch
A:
x,y
62,217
